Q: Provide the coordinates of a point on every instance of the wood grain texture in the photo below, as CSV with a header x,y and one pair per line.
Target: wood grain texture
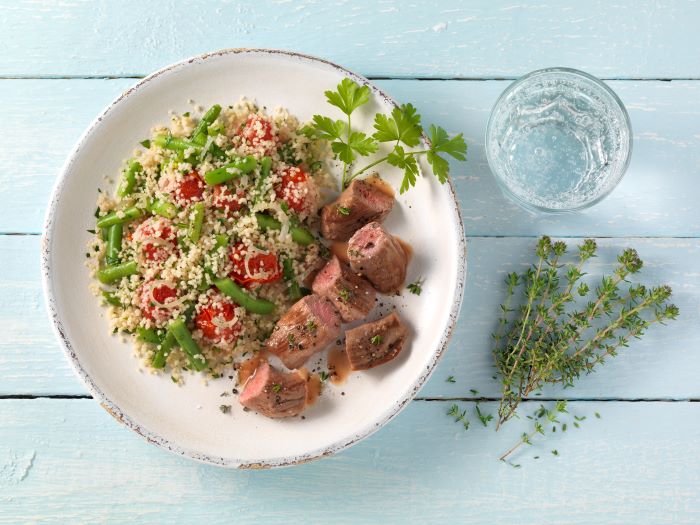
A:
x,y
656,198
662,365
67,461
389,38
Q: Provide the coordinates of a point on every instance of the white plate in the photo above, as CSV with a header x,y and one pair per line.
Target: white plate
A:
x,y
187,420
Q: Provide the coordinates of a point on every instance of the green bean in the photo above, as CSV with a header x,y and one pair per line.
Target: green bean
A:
x,y
114,243
250,303
265,222
114,273
199,135
295,292
221,240
231,171
147,335
104,233
189,312
111,298
112,218
265,165
164,348
175,144
188,345
196,224
206,284
128,182
299,235
287,270
294,289
163,208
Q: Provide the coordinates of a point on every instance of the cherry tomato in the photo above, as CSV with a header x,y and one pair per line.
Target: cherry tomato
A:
x,y
296,189
151,296
264,267
190,188
257,130
150,232
218,310
225,199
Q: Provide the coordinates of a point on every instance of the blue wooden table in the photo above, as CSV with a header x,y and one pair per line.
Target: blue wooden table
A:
x,y
64,460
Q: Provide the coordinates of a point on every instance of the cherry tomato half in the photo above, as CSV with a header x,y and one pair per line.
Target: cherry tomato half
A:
x,y
264,267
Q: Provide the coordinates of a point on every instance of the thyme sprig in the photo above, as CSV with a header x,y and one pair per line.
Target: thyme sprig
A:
x,y
541,417
550,339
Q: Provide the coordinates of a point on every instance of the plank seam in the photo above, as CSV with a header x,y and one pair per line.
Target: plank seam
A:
x,y
138,76
429,399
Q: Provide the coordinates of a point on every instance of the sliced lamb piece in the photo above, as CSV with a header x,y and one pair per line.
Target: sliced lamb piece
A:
x,y
375,343
352,295
362,202
273,393
379,257
307,327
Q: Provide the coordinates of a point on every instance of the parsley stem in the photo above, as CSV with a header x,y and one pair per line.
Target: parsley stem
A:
x,y
379,161
345,181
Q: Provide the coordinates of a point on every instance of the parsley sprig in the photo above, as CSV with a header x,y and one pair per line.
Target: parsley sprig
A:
x,y
402,129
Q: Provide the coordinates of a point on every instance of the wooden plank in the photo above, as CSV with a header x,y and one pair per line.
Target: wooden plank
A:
x,y
31,360
662,365
656,198
390,38
66,461
44,119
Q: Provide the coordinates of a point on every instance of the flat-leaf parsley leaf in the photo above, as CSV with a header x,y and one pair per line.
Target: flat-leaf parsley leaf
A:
x,y
402,128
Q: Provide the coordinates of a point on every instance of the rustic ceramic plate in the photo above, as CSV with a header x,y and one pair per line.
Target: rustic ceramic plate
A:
x,y
186,419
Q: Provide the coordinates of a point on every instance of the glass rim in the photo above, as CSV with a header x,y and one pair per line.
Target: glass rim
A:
x,y
575,73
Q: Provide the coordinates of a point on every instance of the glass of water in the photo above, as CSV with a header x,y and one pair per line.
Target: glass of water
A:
x,y
558,140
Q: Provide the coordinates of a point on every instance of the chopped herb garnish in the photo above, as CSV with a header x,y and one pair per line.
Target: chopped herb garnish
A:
x,y
451,379
416,287
377,339
276,387
344,295
323,375
460,417
484,418
225,409
343,210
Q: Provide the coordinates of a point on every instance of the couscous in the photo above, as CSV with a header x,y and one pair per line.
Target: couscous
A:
x,y
210,236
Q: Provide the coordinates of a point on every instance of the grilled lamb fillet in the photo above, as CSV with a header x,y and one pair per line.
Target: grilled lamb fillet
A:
x,y
273,393
352,295
378,256
306,328
375,343
362,202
